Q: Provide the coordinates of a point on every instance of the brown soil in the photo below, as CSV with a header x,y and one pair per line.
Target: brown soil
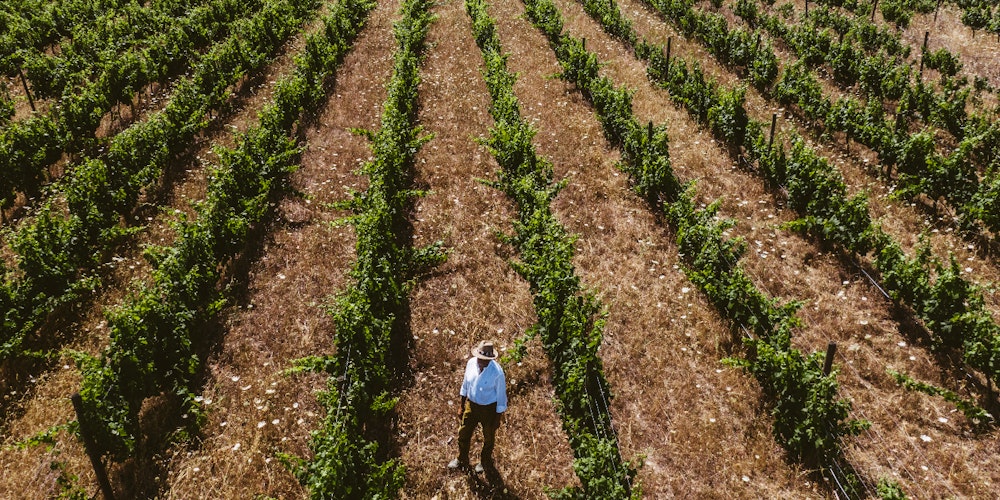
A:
x,y
22,107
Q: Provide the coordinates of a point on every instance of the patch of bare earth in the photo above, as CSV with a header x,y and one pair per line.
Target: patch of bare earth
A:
x,y
22,106
41,399
919,440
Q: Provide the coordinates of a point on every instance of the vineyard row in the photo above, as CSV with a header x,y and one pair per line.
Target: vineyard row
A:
x,y
58,252
809,419
922,169
87,88
952,309
570,320
349,453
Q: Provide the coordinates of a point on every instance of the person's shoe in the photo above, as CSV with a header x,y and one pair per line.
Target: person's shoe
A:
x,y
457,464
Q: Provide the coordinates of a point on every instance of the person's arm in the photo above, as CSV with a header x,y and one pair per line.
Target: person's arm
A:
x,y
501,392
464,391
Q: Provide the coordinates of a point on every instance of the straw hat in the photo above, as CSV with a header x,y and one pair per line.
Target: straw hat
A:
x,y
484,350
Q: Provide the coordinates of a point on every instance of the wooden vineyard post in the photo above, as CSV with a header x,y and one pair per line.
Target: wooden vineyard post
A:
x,y
874,7
807,8
24,83
923,50
936,9
91,447
649,131
774,122
831,350
669,39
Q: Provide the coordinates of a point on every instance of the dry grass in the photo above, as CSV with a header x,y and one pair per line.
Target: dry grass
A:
x,y
978,51
702,428
701,423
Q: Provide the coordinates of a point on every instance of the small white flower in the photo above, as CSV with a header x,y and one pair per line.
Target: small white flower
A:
x,y
925,438
236,447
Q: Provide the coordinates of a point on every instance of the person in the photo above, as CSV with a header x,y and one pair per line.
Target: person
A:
x,y
484,400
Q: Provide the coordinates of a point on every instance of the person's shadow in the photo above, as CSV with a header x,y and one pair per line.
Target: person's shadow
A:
x,y
490,485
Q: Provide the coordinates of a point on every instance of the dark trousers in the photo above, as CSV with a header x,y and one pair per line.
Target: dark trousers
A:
x,y
472,416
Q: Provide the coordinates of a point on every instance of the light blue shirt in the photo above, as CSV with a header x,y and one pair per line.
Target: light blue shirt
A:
x,y
487,387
